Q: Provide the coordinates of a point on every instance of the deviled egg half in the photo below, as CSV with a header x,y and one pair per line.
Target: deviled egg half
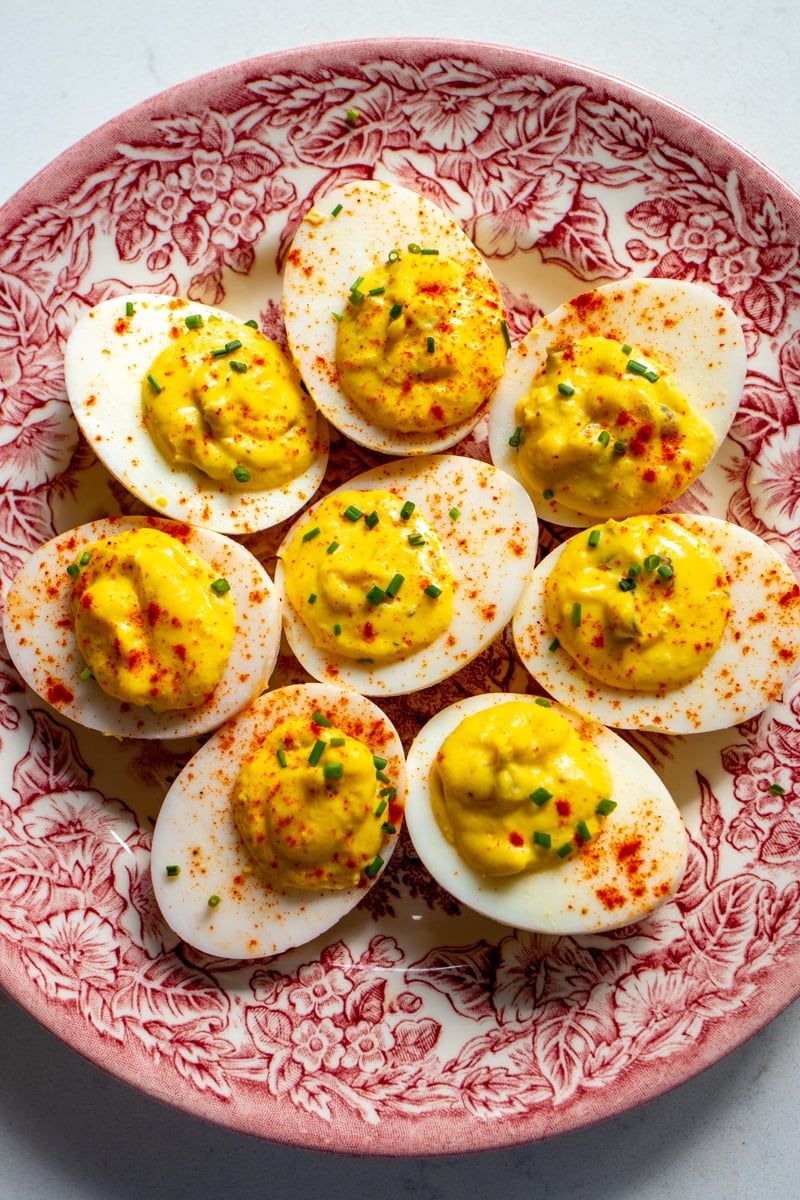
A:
x,y
399,578
280,823
541,818
195,412
616,402
671,622
393,317
143,628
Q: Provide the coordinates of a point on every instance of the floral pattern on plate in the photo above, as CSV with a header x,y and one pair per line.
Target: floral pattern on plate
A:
x,y
413,1027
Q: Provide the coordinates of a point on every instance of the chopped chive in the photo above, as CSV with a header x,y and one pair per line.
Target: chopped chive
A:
x,y
173,870
154,384
430,344
280,754
665,571
311,533
635,367
333,770
604,437
389,793
651,376
548,493
413,248
543,839
429,250
372,870
627,584
775,789
651,562
354,287
583,831
393,256
86,674
433,591
378,291
252,323
356,297
605,806
394,311
213,901
352,513
312,598
554,645
337,316
577,614
594,537
541,796
619,447
388,827
564,850
351,116
407,510
381,809
379,762
84,559
626,349
241,474
566,389
73,570
634,569
238,366
317,751
337,629
128,308
394,585
193,321
376,595
220,586
320,719
506,334
542,701
416,539
455,513
516,437
332,547
337,741
335,212
384,778
371,520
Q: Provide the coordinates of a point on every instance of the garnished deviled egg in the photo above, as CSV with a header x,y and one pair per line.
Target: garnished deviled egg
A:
x,y
616,402
540,818
399,578
671,622
144,628
195,411
280,823
393,317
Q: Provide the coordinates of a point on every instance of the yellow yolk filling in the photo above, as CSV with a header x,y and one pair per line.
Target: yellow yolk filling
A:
x,y
420,344
369,578
517,787
605,433
238,415
153,622
306,806
639,604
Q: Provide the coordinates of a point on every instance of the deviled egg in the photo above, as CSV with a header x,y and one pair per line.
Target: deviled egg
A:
x,y
540,818
671,622
280,823
143,628
399,578
195,412
616,402
393,317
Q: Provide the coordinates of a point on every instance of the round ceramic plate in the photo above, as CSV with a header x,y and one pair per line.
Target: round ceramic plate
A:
x,y
413,1027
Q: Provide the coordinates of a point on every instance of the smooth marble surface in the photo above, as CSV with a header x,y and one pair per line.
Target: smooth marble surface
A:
x,y
66,1129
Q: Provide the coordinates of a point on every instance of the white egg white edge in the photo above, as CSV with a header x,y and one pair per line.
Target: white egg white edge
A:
x,y
252,919
703,704
307,308
43,659
104,371
626,301
543,901
435,484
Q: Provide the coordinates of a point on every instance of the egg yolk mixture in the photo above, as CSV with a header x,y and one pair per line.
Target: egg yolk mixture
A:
x,y
152,620
226,400
420,344
605,433
369,578
639,604
313,806
517,788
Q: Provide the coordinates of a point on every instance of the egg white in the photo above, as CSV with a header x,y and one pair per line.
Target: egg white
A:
x,y
755,659
690,331
563,899
104,366
327,254
40,636
195,830
495,514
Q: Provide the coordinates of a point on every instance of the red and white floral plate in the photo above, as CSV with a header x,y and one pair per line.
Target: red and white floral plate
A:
x,y
414,1027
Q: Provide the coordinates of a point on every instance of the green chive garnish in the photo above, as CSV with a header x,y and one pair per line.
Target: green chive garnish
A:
x,y
378,291
430,344
337,629
394,585
317,751
280,754
382,777
379,762
416,539
241,474
333,770
635,367
627,584
665,571
543,839
604,437
394,311
376,595
352,116
372,870
407,510
566,389
336,210
194,321
583,832
541,796
413,248
84,559
516,437
172,870
128,308
634,569
605,807
651,562
577,614
651,376
455,513
428,250
213,901
220,586
388,827
238,366
312,598
506,334
73,570
381,809
337,741
594,537
619,447
626,349
332,547
775,789
154,384
548,493
86,674
542,701
564,850
554,645
320,719
371,520
351,513
312,533
433,591
393,256
252,323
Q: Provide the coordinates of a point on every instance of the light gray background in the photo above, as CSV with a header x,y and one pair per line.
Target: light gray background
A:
x,y
69,1132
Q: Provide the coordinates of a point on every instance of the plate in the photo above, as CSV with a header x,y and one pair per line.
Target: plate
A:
x,y
413,1027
